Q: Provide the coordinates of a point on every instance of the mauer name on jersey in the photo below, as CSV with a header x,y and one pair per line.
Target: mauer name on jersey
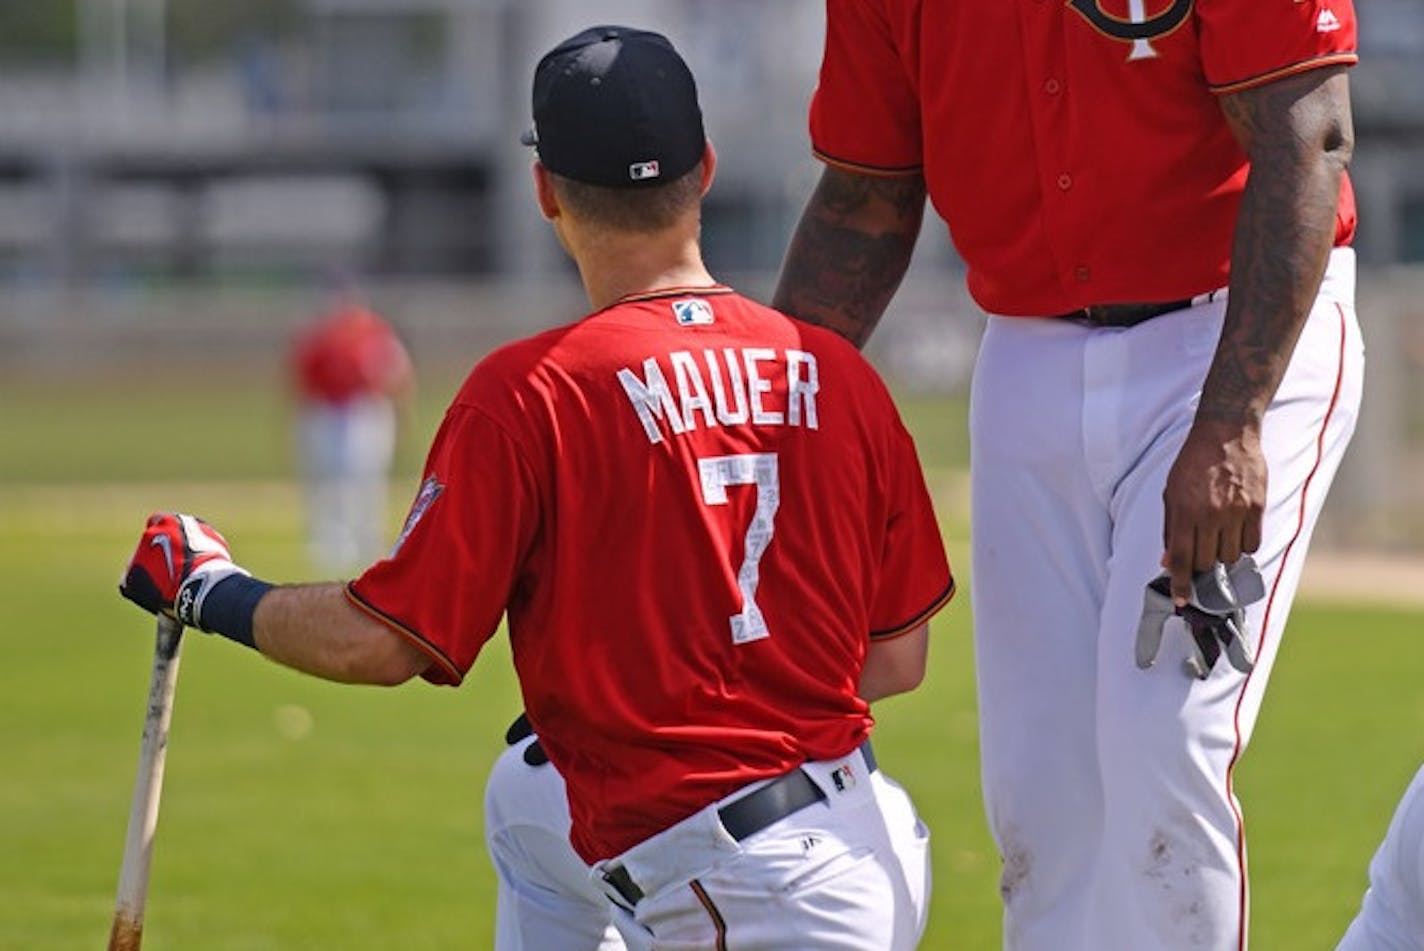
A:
x,y
726,387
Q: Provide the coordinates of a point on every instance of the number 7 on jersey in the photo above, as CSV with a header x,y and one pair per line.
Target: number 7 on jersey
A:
x,y
760,470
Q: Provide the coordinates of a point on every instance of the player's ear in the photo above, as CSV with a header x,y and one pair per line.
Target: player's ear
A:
x,y
709,166
545,193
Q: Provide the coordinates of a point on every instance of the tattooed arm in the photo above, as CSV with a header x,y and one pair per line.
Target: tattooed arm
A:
x,y
850,250
1297,133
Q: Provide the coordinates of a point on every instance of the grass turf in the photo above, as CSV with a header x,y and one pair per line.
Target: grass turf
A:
x,y
300,814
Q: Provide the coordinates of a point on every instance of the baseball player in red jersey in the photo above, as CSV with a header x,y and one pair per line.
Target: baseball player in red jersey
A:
x,y
1151,201
708,530
350,372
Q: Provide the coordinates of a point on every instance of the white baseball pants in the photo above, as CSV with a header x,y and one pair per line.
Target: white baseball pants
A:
x,y
1392,915
546,900
849,873
1108,788
346,451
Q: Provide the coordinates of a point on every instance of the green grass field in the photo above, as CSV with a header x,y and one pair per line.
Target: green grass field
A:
x,y
304,815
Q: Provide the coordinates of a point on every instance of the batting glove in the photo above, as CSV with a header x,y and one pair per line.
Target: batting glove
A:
x,y
1215,616
179,560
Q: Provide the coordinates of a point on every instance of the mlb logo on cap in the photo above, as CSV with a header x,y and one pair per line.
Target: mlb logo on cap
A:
x,y
692,311
639,171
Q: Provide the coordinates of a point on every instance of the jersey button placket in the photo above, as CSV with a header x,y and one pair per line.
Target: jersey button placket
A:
x,y
1045,44
1052,87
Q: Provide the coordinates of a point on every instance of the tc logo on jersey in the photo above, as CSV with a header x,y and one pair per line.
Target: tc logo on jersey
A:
x,y
693,311
1137,28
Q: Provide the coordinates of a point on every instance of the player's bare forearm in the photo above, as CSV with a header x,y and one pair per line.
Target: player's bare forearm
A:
x,y
896,665
314,628
851,250
1298,134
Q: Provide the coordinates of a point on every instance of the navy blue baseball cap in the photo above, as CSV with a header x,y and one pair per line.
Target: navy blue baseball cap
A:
x,y
617,107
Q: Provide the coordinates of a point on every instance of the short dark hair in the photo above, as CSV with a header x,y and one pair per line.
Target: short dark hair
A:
x,y
647,209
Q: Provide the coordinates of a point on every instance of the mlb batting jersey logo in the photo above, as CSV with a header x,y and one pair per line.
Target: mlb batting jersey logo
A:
x,y
693,311
642,171
430,490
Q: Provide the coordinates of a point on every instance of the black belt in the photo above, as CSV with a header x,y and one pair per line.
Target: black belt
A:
x,y
788,793
1122,315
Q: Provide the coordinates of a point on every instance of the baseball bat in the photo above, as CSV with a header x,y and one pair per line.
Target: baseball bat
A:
x,y
127,931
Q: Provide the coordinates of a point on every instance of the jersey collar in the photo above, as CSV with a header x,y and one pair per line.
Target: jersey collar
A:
x,y
704,290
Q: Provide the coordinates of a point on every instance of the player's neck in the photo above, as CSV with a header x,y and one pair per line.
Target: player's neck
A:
x,y
618,265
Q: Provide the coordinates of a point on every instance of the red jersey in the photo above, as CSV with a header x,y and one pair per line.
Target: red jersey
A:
x,y
1078,153
348,353
697,513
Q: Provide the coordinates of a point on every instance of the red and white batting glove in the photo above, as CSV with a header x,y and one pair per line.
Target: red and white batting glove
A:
x,y
179,560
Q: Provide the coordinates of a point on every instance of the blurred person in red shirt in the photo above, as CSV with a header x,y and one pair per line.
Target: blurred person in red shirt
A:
x,y
351,374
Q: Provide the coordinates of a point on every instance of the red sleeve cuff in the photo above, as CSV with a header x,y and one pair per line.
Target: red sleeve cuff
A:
x,y
894,171
1329,59
921,617
442,670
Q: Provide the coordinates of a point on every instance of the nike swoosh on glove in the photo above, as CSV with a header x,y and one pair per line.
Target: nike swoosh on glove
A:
x,y
179,559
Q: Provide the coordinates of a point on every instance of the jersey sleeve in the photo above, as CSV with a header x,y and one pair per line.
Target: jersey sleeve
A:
x,y
865,114
1247,43
915,580
458,558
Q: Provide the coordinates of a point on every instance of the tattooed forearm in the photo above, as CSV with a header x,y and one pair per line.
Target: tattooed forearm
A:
x,y
850,251
1297,132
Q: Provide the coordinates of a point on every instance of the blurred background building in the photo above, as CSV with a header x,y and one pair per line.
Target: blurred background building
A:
x,y
179,173
164,138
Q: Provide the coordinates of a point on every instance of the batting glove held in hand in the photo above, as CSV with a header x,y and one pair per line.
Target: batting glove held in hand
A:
x,y
179,559
1215,617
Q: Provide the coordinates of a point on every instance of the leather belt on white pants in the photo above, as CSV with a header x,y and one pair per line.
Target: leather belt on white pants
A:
x,y
787,794
1130,315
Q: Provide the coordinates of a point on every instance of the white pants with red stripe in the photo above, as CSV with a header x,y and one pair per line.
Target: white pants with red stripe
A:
x,y
1108,788
1392,916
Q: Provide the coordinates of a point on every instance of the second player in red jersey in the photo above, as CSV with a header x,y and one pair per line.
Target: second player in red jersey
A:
x,y
1152,202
